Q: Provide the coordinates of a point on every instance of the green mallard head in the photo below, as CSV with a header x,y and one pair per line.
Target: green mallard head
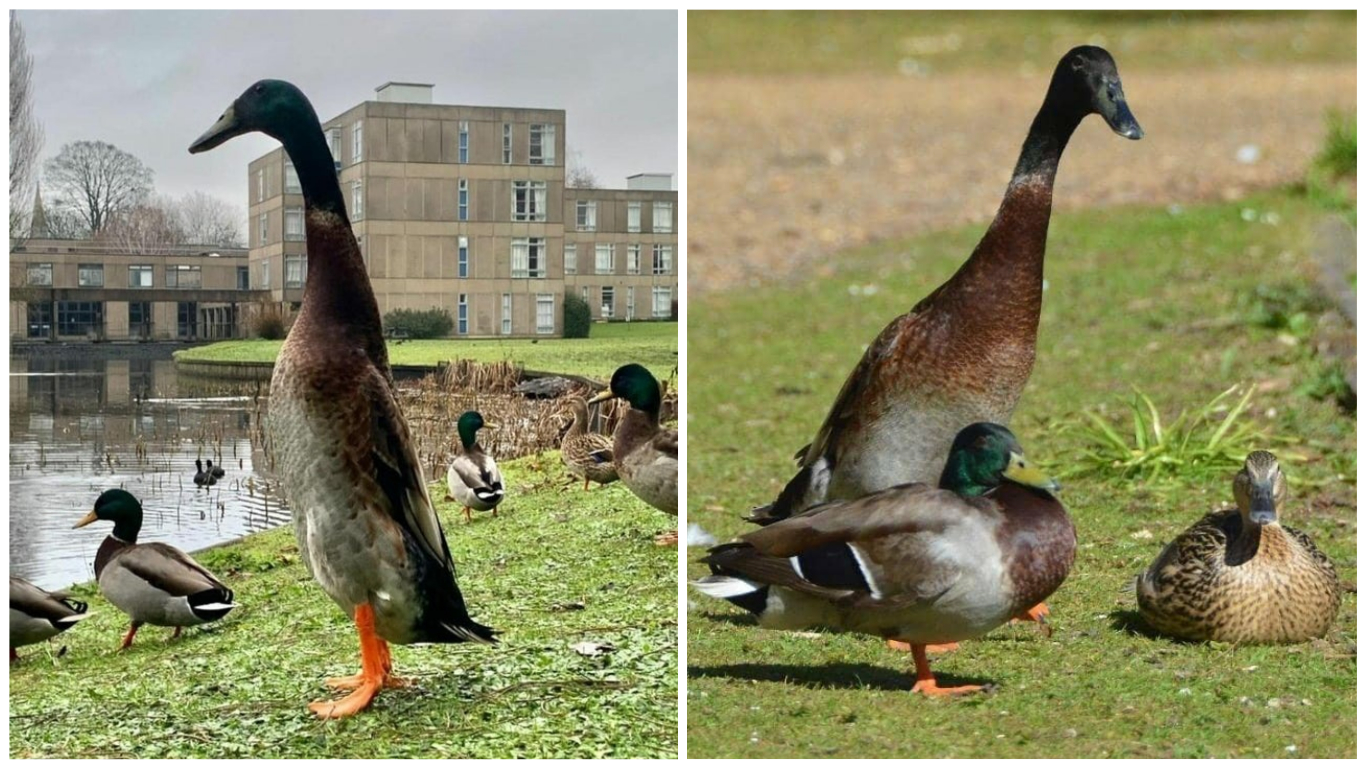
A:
x,y
1259,488
120,507
983,456
634,384
469,423
273,107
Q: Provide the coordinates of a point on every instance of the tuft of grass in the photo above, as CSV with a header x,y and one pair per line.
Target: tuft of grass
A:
x,y
1291,307
1339,154
557,567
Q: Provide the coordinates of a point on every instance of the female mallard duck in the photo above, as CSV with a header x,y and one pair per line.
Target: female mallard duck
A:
x,y
587,454
646,456
1238,576
362,513
202,478
473,477
153,583
964,353
36,614
914,562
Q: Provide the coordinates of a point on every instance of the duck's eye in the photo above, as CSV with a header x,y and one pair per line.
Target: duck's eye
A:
x,y
260,89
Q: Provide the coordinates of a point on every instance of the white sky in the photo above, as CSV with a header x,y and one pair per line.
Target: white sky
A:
x,y
150,82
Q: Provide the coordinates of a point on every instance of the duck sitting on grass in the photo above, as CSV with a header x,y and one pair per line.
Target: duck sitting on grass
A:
x,y
1239,576
928,565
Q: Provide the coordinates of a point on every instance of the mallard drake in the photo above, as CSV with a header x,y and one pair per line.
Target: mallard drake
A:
x,y
153,583
587,454
928,565
202,478
1239,576
473,477
216,473
646,455
346,460
964,353
36,614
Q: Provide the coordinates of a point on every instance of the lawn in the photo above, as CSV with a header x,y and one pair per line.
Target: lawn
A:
x,y
556,568
652,344
1181,303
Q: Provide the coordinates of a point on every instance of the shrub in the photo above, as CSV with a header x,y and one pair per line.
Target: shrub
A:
x,y
673,310
1339,154
268,322
431,323
578,317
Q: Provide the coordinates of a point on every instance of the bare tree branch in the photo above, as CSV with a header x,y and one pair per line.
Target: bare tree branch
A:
x,y
25,133
207,220
98,181
148,229
576,173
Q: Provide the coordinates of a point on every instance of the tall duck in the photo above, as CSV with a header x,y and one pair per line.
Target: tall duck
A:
x,y
362,514
964,353
646,455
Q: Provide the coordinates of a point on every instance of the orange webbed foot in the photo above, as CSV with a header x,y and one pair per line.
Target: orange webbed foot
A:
x,y
1038,613
931,688
354,702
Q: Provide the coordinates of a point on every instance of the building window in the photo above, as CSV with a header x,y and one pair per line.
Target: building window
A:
x,y
545,313
583,291
39,320
357,141
260,184
630,302
507,314
633,217
507,143
542,151
633,259
187,319
334,145
243,279
571,258
463,262
291,179
40,274
609,300
183,276
663,298
357,201
664,217
463,204
294,223
140,276
261,221
90,275
605,256
140,319
79,318
296,271
464,146
587,217
528,201
462,310
528,257
664,259
265,273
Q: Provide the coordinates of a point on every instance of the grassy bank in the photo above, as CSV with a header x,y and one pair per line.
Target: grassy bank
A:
x,y
557,567
1181,303
654,345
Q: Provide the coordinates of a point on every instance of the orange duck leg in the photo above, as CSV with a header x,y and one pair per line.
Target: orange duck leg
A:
x,y
375,664
924,678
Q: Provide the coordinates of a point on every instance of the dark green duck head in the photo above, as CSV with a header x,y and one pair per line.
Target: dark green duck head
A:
x,y
636,385
986,455
467,425
122,509
1259,488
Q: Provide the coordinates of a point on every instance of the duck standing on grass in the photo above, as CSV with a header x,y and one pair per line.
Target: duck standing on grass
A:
x,y
473,477
362,513
1239,576
36,615
646,455
964,353
587,454
153,583
923,564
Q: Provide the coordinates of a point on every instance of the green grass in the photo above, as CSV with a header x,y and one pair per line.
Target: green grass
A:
x,y
1136,297
557,567
654,345
1339,154
844,42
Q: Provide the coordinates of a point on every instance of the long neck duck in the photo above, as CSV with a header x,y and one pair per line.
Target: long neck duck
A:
x,y
363,517
645,453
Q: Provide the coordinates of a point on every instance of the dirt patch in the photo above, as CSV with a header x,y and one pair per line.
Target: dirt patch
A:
x,y
784,171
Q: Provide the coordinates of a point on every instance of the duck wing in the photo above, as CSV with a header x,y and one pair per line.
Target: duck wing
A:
x,y
666,442
168,570
34,601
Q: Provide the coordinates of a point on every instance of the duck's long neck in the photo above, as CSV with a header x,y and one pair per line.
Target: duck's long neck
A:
x,y
337,293
112,545
637,426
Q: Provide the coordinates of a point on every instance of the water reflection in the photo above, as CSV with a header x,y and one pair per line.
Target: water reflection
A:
x,y
79,426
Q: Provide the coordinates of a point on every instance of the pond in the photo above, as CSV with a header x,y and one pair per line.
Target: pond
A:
x,y
79,426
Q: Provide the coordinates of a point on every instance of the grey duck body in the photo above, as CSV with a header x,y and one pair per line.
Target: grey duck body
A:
x,y
36,614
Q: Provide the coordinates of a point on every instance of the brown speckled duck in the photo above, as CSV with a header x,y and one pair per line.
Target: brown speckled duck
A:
x,y
923,564
965,352
587,454
646,454
347,464
1239,576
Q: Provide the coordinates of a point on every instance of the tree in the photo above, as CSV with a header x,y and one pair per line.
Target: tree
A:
x,y
207,220
148,229
576,173
25,134
98,181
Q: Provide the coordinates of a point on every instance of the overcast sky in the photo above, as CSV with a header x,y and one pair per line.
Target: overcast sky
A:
x,y
150,82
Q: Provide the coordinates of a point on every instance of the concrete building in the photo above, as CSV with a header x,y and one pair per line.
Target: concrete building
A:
x,y
69,290
465,208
